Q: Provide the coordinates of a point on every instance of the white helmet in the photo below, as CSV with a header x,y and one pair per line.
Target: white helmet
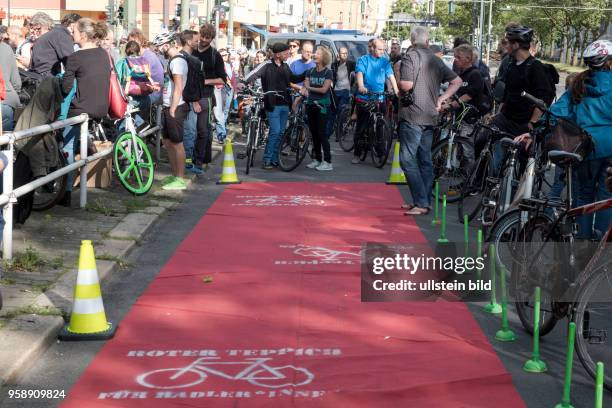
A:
x,y
163,38
597,53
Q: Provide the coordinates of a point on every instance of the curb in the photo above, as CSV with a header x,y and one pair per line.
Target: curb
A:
x,y
27,337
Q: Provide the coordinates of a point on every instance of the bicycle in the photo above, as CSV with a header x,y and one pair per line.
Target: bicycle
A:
x,y
377,137
345,126
452,155
256,372
296,139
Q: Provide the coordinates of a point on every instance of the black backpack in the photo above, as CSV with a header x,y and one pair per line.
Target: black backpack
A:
x,y
486,99
551,73
194,87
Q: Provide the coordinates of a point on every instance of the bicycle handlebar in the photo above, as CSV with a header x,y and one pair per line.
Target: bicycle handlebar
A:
x,y
496,131
540,104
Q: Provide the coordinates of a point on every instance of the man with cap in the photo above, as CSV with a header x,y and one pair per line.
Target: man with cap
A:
x,y
275,76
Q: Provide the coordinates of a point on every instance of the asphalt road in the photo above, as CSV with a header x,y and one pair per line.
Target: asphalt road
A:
x,y
60,367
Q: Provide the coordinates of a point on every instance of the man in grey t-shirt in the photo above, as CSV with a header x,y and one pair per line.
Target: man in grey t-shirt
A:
x,y
423,73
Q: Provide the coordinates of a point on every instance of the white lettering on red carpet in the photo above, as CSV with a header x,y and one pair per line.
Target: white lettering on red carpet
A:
x,y
282,201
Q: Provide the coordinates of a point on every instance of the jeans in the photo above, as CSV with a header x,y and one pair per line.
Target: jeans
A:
x,y
415,160
342,98
317,122
72,135
8,123
277,119
558,185
203,142
224,101
590,184
508,126
189,133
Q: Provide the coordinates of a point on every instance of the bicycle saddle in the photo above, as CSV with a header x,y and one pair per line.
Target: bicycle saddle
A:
x,y
507,142
564,158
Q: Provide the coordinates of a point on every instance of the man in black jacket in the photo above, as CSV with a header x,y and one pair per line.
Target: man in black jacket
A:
x,y
275,76
52,49
342,69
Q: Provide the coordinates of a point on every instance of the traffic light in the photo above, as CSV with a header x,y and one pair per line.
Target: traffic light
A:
x,y
120,13
178,10
431,7
451,7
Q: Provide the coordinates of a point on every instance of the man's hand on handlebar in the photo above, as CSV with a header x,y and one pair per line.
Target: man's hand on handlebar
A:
x,y
524,139
363,90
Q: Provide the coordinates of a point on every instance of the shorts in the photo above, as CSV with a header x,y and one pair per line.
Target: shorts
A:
x,y
173,126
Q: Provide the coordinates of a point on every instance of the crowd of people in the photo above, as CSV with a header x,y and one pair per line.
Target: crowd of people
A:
x,y
198,86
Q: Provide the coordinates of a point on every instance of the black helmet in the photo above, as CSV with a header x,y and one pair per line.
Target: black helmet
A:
x,y
520,34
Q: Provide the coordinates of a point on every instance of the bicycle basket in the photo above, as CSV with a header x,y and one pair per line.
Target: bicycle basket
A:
x,y
569,137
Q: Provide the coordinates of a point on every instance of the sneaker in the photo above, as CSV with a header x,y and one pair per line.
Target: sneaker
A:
x,y
195,170
167,180
355,160
176,184
268,166
313,164
325,166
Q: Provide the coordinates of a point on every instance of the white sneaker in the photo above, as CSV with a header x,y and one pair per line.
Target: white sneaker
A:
x,y
313,164
325,166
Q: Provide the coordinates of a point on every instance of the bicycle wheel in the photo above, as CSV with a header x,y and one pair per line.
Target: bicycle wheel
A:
x,y
470,201
293,146
593,318
251,145
451,180
345,128
48,195
527,274
382,143
133,164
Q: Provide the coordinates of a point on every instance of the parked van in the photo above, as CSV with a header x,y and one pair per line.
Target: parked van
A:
x,y
356,44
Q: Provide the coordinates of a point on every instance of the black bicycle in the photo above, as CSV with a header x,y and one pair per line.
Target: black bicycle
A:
x,y
377,137
295,141
345,127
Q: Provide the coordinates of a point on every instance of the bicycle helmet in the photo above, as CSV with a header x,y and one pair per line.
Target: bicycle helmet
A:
x,y
520,34
163,38
597,53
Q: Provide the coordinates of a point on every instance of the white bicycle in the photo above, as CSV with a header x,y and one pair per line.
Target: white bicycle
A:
x,y
256,372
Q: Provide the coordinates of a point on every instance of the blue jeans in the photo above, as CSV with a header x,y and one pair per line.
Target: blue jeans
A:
x,y
558,185
7,118
72,139
189,133
415,160
590,185
222,113
277,119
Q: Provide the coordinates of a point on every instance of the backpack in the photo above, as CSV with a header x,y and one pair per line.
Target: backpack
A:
x,y
194,87
486,99
551,73
137,76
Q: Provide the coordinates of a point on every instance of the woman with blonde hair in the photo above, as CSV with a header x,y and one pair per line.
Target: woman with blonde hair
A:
x,y
317,89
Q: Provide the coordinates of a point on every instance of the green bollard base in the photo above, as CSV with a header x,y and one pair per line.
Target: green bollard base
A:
x,y
535,365
442,241
564,405
493,308
505,335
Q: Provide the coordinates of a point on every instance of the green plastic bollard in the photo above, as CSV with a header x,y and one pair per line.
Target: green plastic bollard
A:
x,y
504,334
492,307
599,379
479,252
443,239
535,364
436,219
567,383
466,235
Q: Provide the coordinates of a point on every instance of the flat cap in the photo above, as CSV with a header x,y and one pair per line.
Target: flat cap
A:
x,y
279,47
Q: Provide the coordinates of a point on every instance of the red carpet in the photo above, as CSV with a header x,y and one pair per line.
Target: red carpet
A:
x,y
260,307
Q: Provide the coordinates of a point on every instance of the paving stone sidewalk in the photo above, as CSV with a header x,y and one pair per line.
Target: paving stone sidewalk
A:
x,y
37,285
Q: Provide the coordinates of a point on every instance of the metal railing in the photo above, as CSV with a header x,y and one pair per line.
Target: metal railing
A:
x,y
9,196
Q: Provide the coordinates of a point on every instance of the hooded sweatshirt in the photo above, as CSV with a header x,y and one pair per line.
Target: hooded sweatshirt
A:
x,y
593,113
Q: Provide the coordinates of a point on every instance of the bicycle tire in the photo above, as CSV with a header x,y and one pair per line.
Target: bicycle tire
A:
x,y
345,129
523,286
382,138
439,153
250,149
48,195
474,188
294,143
129,178
589,284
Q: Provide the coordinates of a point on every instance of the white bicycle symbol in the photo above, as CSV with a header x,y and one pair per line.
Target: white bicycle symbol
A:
x,y
256,372
298,200
325,254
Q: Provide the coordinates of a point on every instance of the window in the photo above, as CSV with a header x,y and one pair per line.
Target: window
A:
x,y
355,48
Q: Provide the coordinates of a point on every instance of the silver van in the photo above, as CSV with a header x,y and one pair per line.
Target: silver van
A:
x,y
357,45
